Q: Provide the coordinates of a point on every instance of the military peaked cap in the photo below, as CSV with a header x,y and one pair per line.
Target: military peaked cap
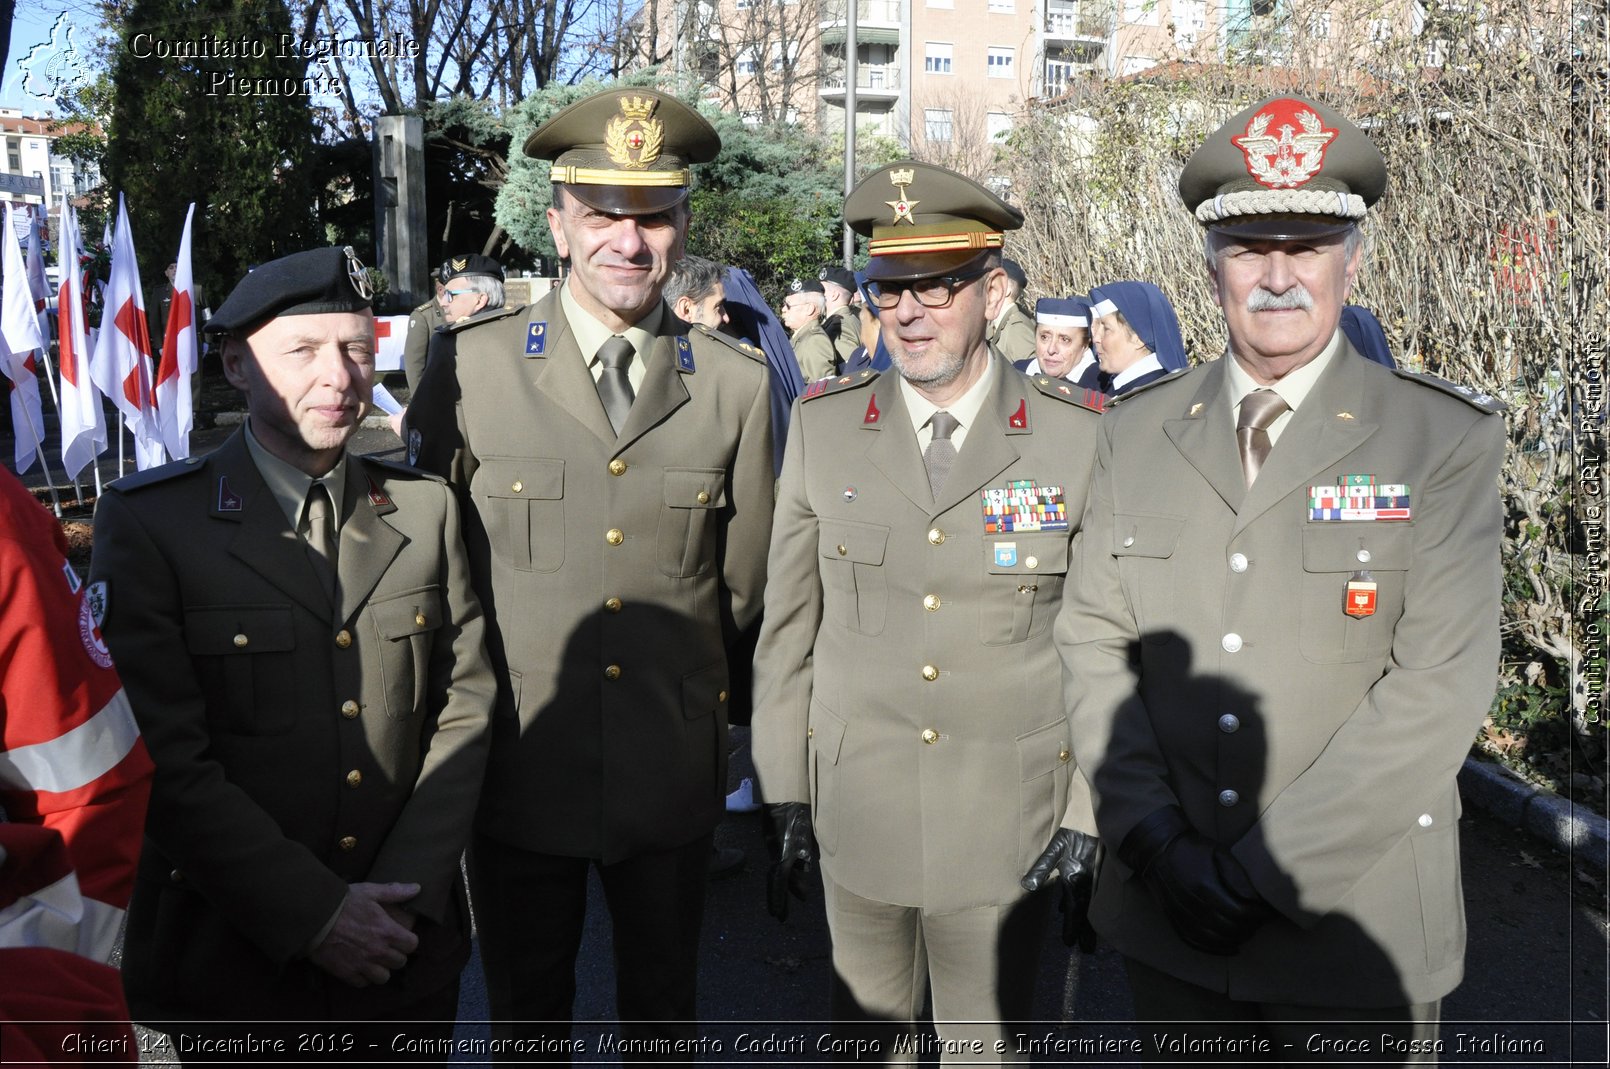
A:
x,y
925,221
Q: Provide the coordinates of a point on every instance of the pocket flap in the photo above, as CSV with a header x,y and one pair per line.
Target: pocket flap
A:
x,y
1027,554
827,734
862,543
1044,750
521,477
225,629
1357,546
695,488
1138,535
409,613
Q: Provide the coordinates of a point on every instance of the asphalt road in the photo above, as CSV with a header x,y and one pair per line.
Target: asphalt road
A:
x,y
1536,990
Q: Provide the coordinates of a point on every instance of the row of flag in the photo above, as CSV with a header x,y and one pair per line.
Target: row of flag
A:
x,y
152,398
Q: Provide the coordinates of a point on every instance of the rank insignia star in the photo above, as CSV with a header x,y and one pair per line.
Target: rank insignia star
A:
x,y
900,179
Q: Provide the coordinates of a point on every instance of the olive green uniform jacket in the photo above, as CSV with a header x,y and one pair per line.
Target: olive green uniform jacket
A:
x,y
616,572
1013,336
299,748
906,681
1217,670
422,322
848,340
814,351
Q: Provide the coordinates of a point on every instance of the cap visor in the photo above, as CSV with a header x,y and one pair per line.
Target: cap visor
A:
x,y
628,200
924,265
1281,228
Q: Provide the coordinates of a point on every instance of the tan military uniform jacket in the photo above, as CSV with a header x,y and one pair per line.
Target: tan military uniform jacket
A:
x,y
1322,747
906,681
298,748
615,571
849,332
1013,336
814,351
422,321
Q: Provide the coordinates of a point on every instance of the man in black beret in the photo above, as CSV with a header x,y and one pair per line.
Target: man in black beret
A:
x,y
615,464
842,323
302,647
472,284
801,313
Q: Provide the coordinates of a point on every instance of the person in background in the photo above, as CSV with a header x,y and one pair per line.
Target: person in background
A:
x,y
802,315
422,323
696,294
1011,332
1135,334
842,322
471,285
1062,340
1364,332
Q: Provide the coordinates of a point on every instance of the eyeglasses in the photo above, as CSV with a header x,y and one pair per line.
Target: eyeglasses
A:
x,y
929,292
455,294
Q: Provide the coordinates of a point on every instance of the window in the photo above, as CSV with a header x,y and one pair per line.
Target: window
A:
x,y
1190,19
746,62
937,58
1058,73
936,124
1000,124
1319,26
776,52
1380,31
1003,7
1000,62
1143,12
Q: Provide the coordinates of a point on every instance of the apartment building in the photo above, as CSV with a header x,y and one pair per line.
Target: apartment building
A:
x,y
946,78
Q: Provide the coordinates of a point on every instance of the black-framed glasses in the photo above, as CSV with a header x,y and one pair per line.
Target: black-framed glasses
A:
x,y
929,292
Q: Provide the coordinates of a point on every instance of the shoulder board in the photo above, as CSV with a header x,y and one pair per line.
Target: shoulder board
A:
x,y
482,317
151,476
1485,402
1070,393
1138,390
699,330
837,384
398,467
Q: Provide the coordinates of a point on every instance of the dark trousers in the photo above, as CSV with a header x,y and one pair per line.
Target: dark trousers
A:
x,y
1213,1028
530,909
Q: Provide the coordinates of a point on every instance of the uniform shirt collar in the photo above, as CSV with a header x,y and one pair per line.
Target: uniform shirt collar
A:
x,y
290,484
1293,388
591,334
965,408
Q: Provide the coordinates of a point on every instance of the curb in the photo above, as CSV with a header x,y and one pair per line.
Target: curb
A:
x,y
1561,823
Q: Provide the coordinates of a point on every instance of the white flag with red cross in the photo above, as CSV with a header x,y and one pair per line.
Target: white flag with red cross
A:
x,y
121,365
19,334
83,422
178,360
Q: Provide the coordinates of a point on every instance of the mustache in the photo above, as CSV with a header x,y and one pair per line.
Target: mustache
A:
x,y
1261,300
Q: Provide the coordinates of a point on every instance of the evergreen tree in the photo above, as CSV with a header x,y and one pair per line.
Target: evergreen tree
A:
x,y
210,107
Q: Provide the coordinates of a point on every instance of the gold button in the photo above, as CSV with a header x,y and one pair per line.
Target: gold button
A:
x,y
721,696
931,602
612,604
518,486
354,778
240,641
1031,562
1064,755
703,497
936,537
930,673
348,842
343,638
176,876
614,536
810,733
930,736
349,709
612,672
842,549
617,467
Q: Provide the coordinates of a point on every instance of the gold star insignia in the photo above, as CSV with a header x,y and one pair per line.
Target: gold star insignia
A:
x,y
900,179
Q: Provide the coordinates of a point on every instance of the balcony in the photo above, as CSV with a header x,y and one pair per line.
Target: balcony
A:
x,y
1091,22
876,22
873,81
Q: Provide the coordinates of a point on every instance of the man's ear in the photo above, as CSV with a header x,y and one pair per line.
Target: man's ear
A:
x,y
234,358
560,245
997,291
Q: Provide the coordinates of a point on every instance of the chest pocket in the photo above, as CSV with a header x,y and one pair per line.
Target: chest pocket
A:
x,y
855,588
1332,552
694,498
523,510
245,660
406,625
1144,546
1023,582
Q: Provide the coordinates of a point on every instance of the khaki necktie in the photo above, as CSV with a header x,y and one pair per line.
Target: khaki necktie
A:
x,y
614,388
1259,409
322,540
940,454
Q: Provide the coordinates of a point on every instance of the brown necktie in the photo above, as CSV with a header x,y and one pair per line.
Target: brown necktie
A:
x,y
614,388
1258,410
940,454
322,540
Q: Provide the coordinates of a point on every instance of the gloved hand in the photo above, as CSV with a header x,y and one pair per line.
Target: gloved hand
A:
x,y
1070,856
1204,891
792,846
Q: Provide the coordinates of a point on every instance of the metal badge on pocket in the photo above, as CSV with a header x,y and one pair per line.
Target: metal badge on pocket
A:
x,y
1360,598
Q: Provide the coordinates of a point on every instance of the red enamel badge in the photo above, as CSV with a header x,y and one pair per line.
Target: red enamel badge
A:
x,y
1285,143
1360,599
377,496
872,412
1020,418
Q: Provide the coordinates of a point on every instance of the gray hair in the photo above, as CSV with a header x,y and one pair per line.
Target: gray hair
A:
x,y
492,287
692,277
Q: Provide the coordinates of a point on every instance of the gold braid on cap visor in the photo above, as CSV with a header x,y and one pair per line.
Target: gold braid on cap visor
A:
x,y
908,244
599,176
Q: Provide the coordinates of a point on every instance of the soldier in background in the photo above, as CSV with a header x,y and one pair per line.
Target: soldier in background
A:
x,y
422,323
1011,332
696,294
471,285
802,314
841,324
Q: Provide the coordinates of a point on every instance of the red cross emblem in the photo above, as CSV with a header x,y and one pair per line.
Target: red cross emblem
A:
x,y
635,139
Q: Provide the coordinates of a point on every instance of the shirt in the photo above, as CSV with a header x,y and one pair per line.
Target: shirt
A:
x,y
965,408
1293,388
591,336
289,484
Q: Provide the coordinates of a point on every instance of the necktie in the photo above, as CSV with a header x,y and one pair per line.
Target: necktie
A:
x,y
1258,410
322,540
940,454
614,388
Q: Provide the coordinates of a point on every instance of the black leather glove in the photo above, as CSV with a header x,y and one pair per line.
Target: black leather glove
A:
x,y
1070,856
792,846
1204,891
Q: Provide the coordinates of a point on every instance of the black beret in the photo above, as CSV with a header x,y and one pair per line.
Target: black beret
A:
x,y
839,277
471,263
805,285
303,283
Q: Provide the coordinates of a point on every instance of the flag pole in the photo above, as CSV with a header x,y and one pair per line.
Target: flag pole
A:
x,y
44,465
